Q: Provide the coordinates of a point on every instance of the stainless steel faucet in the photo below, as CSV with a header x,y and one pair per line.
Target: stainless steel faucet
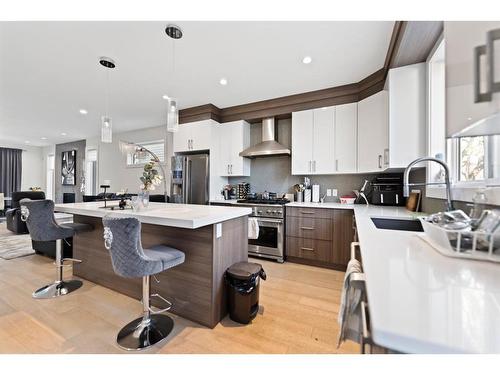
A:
x,y
406,184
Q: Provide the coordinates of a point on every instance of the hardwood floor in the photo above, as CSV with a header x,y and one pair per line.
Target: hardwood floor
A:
x,y
298,314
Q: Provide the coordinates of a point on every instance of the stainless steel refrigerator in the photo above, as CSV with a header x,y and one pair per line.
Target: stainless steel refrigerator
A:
x,y
190,179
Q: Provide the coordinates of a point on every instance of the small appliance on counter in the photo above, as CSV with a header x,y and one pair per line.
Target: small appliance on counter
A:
x,y
242,190
388,190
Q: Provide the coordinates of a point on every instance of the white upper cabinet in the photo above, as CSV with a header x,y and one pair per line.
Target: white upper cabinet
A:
x,y
234,138
313,134
461,39
324,140
302,142
323,156
373,132
346,131
193,136
181,138
407,115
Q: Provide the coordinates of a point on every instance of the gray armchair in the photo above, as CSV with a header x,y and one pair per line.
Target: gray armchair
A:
x,y
13,215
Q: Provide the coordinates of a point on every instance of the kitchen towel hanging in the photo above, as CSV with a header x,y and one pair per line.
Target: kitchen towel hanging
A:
x,y
350,306
253,228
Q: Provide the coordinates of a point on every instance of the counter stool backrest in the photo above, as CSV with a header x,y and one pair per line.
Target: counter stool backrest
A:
x,y
122,237
40,220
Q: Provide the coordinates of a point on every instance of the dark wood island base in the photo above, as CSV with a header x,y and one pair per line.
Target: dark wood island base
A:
x,y
196,288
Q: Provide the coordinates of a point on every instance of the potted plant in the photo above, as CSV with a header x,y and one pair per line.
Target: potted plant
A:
x,y
150,179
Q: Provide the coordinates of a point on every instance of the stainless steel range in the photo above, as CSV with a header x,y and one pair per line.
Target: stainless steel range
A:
x,y
270,214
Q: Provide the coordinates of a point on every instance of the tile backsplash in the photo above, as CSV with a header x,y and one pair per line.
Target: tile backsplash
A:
x,y
273,173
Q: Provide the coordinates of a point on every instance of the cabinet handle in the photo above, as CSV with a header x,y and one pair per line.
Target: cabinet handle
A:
x,y
310,166
314,166
337,165
491,36
380,161
478,96
307,212
306,228
231,168
386,156
307,248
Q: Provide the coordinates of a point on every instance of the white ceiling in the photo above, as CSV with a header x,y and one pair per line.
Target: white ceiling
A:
x,y
49,70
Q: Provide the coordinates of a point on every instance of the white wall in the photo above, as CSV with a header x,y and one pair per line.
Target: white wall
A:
x,y
33,164
112,163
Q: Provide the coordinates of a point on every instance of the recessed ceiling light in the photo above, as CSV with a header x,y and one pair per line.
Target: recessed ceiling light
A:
x,y
223,81
43,138
165,97
63,133
83,111
26,141
469,118
307,60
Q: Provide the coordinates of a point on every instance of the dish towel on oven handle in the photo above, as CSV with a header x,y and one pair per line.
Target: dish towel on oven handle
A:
x,y
253,228
349,317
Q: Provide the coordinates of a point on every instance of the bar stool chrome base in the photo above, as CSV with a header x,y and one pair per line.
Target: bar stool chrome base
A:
x,y
142,333
57,289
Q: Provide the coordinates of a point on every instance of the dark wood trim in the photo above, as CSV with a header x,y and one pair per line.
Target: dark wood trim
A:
x,y
282,107
394,44
415,42
201,112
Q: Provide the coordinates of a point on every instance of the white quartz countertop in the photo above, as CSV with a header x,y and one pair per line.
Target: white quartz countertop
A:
x,y
190,216
421,301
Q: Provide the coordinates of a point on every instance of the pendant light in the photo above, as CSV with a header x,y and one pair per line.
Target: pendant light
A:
x,y
175,33
172,115
106,121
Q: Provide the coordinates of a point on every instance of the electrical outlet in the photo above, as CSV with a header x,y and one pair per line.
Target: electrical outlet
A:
x,y
328,192
334,192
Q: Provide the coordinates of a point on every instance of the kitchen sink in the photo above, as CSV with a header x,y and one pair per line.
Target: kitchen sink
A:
x,y
411,225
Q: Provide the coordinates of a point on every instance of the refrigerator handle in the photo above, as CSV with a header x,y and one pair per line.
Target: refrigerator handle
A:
x,y
184,180
189,187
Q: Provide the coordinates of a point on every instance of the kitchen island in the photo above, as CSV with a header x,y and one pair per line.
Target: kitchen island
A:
x,y
212,238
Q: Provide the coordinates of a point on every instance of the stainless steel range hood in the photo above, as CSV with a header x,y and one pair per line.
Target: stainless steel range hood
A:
x,y
268,146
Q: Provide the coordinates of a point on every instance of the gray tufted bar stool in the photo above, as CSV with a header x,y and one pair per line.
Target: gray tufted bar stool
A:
x,y
122,237
42,226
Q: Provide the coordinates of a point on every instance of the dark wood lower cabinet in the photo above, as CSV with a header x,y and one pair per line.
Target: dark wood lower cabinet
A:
x,y
326,242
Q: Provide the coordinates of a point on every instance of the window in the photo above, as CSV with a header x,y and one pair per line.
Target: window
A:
x,y
141,158
436,105
479,159
472,158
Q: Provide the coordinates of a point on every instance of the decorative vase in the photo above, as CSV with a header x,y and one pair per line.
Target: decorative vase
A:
x,y
144,195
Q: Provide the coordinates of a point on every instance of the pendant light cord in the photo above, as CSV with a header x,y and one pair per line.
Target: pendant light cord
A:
x,y
106,108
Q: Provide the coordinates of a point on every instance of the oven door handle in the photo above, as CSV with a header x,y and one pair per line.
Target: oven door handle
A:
x,y
267,220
